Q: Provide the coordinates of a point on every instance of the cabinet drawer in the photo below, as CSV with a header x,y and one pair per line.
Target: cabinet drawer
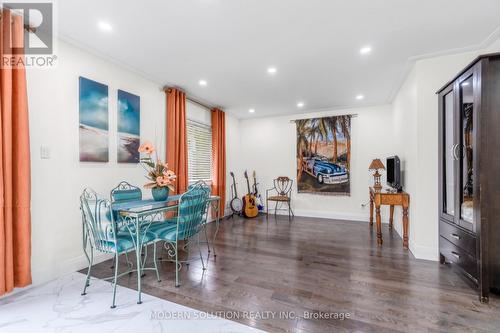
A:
x,y
458,256
458,237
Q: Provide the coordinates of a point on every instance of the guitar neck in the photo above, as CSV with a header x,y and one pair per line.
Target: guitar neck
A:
x,y
248,183
234,186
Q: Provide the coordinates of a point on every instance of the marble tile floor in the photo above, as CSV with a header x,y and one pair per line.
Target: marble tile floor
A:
x,y
58,307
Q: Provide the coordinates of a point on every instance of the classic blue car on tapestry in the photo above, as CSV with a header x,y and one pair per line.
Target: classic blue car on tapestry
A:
x,y
325,172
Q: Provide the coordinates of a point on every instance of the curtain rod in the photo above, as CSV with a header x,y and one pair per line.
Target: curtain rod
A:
x,y
199,103
209,107
353,115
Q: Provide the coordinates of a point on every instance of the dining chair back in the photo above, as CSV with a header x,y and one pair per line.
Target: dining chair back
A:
x,y
192,211
98,222
125,192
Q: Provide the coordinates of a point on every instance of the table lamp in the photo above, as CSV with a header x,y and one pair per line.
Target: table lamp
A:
x,y
376,165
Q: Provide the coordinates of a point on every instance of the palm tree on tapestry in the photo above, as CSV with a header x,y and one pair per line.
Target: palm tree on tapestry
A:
x,y
345,124
332,125
319,129
303,146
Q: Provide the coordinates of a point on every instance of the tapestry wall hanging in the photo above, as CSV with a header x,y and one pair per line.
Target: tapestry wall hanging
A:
x,y
129,127
93,127
323,155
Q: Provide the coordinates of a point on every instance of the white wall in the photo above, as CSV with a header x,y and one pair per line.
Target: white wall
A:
x,y
268,146
405,137
417,98
57,182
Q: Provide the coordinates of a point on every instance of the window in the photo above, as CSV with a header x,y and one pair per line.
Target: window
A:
x,y
199,140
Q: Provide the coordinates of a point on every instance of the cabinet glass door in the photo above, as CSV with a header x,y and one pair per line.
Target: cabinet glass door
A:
x,y
450,152
466,152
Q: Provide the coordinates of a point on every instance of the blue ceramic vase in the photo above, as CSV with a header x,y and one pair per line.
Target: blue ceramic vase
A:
x,y
160,193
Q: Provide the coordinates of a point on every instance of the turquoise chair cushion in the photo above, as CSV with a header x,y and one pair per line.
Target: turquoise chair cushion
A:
x,y
125,243
168,232
126,195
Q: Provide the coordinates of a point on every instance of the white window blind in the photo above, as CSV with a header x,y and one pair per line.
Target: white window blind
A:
x,y
199,139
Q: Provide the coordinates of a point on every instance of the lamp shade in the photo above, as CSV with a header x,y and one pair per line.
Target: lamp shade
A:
x,y
376,164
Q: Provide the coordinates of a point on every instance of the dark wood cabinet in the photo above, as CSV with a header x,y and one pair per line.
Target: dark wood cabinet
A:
x,y
469,167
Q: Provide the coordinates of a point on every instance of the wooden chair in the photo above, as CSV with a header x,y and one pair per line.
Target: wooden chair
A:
x,y
281,193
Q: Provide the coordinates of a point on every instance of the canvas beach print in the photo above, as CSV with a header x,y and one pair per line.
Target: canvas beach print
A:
x,y
94,122
323,155
129,127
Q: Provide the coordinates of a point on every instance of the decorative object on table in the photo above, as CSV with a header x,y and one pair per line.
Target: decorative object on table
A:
x,y
129,127
161,177
250,209
393,173
94,122
281,194
235,204
376,165
323,155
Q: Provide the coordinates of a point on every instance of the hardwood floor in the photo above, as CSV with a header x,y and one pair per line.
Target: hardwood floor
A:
x,y
320,266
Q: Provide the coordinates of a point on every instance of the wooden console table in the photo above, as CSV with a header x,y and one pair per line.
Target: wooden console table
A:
x,y
384,197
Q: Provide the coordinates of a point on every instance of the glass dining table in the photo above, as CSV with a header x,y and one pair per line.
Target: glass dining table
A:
x,y
138,215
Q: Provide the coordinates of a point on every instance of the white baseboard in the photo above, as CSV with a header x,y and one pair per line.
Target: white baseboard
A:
x,y
330,215
424,252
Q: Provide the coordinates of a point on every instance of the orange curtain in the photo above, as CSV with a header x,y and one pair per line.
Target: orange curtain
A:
x,y
15,224
176,137
219,156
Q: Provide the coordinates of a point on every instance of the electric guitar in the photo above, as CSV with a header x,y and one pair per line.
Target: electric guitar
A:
x,y
235,202
256,193
249,202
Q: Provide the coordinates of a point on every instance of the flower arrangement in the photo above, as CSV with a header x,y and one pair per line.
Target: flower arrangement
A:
x,y
157,172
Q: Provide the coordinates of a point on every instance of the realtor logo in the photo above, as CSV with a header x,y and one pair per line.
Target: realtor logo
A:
x,y
38,27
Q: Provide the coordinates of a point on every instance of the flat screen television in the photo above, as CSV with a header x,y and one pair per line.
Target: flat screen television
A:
x,y
394,173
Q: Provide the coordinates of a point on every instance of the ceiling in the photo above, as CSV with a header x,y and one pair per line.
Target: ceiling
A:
x,y
314,45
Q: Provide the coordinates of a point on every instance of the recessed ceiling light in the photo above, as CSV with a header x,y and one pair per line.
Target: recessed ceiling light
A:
x,y
365,50
105,26
251,110
203,83
300,104
272,70
360,97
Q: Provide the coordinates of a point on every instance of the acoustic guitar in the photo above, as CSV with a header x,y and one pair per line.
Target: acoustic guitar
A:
x,y
250,208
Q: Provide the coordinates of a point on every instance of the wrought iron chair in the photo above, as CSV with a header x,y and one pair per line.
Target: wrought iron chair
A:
x,y
191,218
283,195
101,233
205,217
124,191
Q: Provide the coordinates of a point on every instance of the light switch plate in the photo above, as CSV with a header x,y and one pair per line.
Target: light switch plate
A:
x,y
44,152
